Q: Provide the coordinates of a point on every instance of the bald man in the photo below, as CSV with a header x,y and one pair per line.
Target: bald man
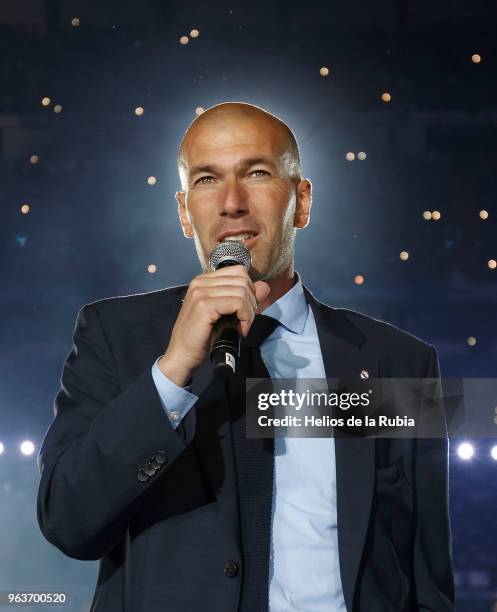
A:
x,y
147,468
240,172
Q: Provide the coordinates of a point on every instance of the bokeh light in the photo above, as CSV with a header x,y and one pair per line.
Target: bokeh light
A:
x,y
465,450
27,447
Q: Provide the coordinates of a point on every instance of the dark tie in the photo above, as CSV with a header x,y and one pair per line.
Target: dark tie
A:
x,y
254,460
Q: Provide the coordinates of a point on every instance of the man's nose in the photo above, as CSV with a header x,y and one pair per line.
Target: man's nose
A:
x,y
233,198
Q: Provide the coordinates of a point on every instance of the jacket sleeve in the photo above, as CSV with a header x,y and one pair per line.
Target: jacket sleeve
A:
x,y
105,447
433,570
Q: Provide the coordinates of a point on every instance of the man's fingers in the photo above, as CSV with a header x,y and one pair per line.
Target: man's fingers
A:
x,y
237,271
225,291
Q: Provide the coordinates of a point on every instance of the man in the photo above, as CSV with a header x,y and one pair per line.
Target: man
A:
x,y
143,467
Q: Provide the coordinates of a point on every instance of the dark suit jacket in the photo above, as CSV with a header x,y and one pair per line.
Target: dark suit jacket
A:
x,y
171,542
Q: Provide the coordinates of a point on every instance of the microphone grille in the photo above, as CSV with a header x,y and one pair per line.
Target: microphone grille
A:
x,y
230,253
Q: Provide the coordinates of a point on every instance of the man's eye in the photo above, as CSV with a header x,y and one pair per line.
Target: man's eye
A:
x,y
203,179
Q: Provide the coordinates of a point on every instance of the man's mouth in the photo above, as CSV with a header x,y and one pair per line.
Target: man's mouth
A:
x,y
246,238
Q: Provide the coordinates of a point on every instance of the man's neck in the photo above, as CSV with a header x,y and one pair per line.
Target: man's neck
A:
x,y
278,287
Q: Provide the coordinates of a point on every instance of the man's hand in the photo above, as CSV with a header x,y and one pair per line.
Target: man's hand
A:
x,y
210,295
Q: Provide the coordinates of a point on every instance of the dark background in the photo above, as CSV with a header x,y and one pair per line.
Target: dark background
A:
x,y
95,224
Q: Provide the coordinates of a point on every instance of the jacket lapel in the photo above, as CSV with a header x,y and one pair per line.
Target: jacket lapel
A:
x,y
345,356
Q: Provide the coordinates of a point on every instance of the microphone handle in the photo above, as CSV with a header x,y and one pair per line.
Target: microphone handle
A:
x,y
225,346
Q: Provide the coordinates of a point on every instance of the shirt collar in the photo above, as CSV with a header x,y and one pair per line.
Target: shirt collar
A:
x,y
291,308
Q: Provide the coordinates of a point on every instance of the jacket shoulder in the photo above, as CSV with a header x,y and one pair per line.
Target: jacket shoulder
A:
x,y
140,303
401,353
379,330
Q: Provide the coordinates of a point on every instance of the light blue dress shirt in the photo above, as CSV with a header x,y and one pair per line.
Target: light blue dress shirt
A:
x,y
304,566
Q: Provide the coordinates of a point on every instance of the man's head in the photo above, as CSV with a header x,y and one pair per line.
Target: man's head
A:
x,y
240,170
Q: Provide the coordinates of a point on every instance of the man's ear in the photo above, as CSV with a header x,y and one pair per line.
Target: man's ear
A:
x,y
303,204
186,226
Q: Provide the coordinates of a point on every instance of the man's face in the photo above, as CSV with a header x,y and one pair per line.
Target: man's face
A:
x,y
237,178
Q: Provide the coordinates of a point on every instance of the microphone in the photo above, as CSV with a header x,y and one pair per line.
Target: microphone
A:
x,y
225,342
